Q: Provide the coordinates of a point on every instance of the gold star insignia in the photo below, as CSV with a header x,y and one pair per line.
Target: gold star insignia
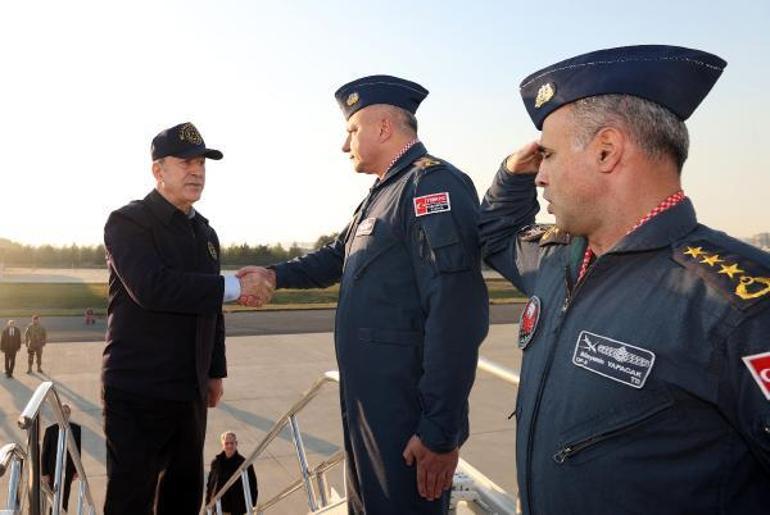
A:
x,y
712,260
731,270
693,251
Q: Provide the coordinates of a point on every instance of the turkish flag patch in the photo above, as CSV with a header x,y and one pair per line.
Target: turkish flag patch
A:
x,y
433,203
759,366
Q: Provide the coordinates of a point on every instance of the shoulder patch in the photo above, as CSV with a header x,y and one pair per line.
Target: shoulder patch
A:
x,y
426,162
545,234
744,281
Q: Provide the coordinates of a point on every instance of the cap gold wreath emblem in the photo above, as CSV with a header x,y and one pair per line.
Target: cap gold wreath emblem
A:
x,y
188,132
352,99
544,94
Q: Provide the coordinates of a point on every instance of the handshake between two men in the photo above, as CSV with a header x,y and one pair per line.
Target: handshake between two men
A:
x,y
257,285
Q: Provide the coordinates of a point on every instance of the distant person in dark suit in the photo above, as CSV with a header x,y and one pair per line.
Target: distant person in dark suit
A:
x,y
222,468
48,458
10,343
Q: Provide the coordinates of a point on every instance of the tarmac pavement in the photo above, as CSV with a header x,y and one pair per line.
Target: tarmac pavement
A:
x,y
266,375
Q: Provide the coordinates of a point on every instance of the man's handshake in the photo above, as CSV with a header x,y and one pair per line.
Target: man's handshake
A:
x,y
257,285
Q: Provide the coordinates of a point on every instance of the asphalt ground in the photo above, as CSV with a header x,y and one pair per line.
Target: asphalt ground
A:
x,y
248,323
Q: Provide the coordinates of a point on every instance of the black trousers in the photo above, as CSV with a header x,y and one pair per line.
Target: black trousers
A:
x,y
10,362
154,454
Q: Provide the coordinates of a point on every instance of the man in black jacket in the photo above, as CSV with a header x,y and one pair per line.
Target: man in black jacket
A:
x,y
224,465
165,355
48,457
10,343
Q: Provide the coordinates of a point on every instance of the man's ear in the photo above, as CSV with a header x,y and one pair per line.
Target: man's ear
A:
x,y
386,128
156,169
608,146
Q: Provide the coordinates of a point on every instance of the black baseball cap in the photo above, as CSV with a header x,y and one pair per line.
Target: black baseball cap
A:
x,y
182,141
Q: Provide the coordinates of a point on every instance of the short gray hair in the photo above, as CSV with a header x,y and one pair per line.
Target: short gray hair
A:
x,y
406,120
656,130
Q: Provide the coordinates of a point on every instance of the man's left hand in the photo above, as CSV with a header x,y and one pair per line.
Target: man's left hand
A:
x,y
216,389
434,470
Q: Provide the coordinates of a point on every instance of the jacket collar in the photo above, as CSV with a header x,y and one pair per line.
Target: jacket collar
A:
x,y
165,210
410,156
661,231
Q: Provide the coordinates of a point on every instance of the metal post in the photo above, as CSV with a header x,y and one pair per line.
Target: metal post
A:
x,y
219,506
13,485
33,447
323,488
81,494
300,448
246,490
58,481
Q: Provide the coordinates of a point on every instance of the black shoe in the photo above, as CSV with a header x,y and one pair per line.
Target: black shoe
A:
x,y
40,370
29,370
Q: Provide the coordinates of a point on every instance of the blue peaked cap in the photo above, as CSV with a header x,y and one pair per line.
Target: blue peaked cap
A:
x,y
379,89
674,77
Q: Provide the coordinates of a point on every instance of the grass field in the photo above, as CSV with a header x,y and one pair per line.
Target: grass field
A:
x,y
24,299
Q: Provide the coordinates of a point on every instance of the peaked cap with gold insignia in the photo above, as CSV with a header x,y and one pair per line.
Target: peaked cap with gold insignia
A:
x,y
379,89
674,77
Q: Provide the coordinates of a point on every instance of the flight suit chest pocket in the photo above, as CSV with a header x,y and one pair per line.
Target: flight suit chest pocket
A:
x,y
607,431
372,242
439,242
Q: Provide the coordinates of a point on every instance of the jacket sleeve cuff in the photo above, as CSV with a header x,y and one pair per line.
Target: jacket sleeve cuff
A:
x,y
434,438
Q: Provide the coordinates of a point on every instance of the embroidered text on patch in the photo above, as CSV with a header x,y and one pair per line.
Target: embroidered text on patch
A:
x,y
615,360
366,227
759,366
433,203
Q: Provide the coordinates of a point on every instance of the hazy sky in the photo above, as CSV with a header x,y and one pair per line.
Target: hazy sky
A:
x,y
86,85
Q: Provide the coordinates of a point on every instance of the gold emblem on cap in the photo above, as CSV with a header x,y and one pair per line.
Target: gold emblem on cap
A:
x,y
212,251
544,94
352,99
189,133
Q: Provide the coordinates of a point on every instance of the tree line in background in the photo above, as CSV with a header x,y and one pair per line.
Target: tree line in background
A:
x,y
14,254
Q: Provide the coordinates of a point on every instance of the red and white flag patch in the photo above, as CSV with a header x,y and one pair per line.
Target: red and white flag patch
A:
x,y
433,203
759,366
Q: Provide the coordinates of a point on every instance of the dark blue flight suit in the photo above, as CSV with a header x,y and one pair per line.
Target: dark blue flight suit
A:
x,y
412,311
165,339
637,393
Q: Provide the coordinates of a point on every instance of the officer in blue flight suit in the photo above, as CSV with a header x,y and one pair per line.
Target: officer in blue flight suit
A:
x,y
413,307
646,365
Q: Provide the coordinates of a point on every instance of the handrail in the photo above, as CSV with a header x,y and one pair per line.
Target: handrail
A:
x,y
328,377
29,420
499,371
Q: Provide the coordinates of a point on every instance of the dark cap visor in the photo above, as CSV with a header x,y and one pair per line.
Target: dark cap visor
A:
x,y
209,153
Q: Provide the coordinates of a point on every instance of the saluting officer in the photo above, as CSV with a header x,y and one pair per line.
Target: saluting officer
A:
x,y
645,385
165,355
412,308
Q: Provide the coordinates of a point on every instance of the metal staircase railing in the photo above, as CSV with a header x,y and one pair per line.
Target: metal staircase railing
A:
x,y
24,482
485,492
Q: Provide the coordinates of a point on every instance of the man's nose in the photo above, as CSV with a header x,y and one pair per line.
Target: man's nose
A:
x,y
346,145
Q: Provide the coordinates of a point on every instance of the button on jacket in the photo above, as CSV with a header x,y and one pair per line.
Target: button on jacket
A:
x,y
412,311
165,335
637,393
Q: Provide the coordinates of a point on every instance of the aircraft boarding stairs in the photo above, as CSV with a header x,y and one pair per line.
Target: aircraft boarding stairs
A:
x,y
472,491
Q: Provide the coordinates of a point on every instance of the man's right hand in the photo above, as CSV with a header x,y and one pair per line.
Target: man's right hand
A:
x,y
257,285
525,161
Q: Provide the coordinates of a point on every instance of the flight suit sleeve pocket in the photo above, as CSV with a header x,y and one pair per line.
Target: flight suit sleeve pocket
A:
x,y
390,336
445,247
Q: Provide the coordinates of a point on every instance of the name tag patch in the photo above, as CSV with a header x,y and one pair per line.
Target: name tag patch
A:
x,y
759,366
433,203
366,227
612,359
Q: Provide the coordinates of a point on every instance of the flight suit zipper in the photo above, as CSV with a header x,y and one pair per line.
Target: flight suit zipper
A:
x,y
571,449
570,296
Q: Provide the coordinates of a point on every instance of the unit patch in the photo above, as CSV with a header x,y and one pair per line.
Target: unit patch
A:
x,y
759,366
530,316
366,227
212,251
612,359
433,203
